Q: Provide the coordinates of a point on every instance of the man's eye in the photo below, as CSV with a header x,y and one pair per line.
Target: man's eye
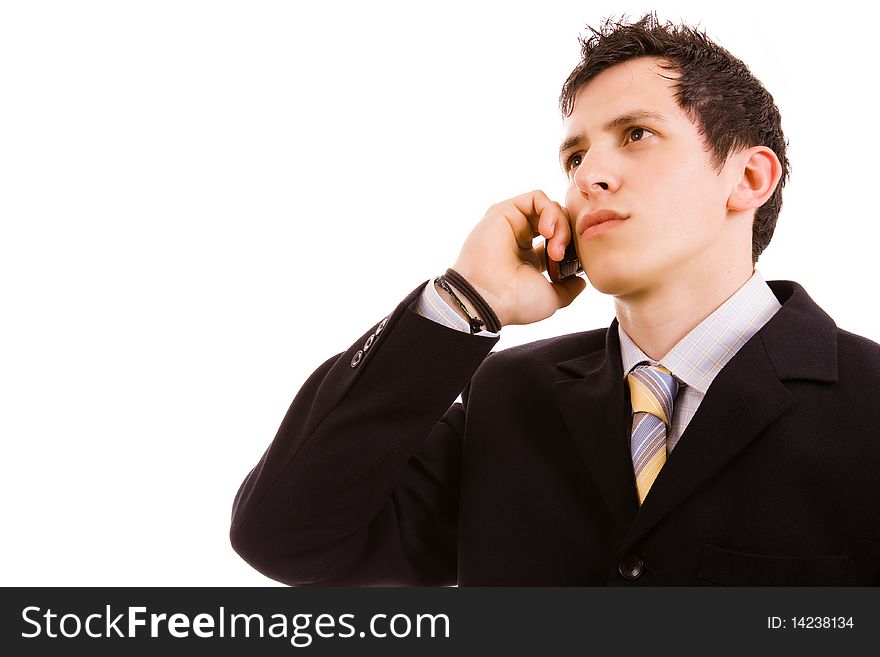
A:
x,y
637,134
573,162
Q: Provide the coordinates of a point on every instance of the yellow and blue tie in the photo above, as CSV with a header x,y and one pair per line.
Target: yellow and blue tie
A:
x,y
652,391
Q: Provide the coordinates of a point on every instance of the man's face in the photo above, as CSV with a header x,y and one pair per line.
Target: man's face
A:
x,y
630,151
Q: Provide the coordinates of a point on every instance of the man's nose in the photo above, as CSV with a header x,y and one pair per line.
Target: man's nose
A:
x,y
595,176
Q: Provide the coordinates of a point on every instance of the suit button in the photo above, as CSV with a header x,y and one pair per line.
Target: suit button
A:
x,y
369,342
630,567
356,359
381,326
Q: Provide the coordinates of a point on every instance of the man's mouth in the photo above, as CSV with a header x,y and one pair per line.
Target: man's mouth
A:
x,y
595,218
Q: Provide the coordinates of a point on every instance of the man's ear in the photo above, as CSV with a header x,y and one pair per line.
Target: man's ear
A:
x,y
759,173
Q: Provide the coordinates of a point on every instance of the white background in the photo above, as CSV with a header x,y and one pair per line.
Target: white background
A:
x,y
201,201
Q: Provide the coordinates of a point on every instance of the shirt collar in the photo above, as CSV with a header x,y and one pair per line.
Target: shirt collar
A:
x,y
700,355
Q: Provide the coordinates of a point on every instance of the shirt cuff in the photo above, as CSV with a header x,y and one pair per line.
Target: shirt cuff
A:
x,y
432,306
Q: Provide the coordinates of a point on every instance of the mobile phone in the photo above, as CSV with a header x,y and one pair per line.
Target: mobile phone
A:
x,y
566,268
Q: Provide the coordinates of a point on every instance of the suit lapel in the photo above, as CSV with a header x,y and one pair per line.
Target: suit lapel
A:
x,y
593,407
745,397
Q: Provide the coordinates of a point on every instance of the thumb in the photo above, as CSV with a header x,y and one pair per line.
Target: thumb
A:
x,y
567,290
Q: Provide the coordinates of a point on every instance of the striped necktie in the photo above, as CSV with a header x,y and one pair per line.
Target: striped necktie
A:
x,y
652,390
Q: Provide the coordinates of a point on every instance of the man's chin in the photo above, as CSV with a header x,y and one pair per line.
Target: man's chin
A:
x,y
613,281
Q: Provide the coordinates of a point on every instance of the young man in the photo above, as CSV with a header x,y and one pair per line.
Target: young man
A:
x,y
717,432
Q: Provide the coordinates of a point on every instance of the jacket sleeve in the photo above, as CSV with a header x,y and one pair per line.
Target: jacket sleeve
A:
x,y
360,484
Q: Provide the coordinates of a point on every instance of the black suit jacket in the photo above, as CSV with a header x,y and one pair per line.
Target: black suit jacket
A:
x,y
376,476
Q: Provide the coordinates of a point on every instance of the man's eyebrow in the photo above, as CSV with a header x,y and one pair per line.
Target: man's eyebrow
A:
x,y
624,119
633,117
570,143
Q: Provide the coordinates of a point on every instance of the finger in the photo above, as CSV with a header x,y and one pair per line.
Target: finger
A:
x,y
535,215
569,289
522,228
561,235
550,216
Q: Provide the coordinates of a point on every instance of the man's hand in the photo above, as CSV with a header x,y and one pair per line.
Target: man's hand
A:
x,y
498,259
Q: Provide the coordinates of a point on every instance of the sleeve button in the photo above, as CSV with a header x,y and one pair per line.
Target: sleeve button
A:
x,y
356,359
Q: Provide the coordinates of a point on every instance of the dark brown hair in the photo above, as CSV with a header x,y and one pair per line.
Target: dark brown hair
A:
x,y
729,106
